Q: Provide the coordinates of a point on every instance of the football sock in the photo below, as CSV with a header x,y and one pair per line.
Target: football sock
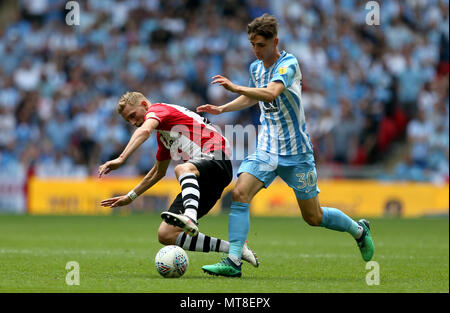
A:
x,y
201,243
356,230
190,193
337,220
238,227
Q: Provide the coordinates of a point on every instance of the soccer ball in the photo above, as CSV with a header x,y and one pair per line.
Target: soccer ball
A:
x,y
171,261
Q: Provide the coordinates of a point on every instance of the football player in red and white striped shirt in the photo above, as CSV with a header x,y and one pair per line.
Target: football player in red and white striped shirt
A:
x,y
206,171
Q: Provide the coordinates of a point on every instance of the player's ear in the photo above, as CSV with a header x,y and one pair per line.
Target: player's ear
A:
x,y
275,41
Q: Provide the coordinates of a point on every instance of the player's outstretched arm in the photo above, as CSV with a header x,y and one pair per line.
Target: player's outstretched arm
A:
x,y
240,103
153,176
139,136
109,166
267,94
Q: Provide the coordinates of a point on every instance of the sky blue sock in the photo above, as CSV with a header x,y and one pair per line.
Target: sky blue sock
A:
x,y
337,220
238,226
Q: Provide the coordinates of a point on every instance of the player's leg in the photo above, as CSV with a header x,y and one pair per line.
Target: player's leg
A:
x,y
335,219
330,218
254,173
300,174
187,175
190,174
238,226
214,176
247,186
173,235
167,234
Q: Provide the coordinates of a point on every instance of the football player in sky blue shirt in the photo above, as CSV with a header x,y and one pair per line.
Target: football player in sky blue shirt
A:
x,y
284,147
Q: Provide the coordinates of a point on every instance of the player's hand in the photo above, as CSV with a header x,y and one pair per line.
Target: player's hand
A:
x,y
209,108
109,166
116,201
224,82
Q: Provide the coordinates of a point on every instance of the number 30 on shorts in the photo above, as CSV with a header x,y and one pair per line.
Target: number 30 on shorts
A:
x,y
304,179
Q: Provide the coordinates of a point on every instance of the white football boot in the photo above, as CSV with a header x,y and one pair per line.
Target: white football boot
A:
x,y
186,223
249,256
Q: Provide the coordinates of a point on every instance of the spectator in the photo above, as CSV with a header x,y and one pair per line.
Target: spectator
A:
x,y
345,134
60,83
419,134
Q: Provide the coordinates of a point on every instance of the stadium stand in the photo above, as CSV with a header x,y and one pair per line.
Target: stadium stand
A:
x,y
367,90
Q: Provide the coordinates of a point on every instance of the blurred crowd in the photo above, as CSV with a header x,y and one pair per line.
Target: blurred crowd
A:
x,y
366,88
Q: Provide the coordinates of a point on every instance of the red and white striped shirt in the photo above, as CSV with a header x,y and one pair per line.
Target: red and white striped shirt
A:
x,y
183,134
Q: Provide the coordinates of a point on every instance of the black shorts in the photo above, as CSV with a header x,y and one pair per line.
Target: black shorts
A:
x,y
215,175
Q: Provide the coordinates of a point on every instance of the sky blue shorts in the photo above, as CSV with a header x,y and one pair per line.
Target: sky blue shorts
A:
x,y
298,171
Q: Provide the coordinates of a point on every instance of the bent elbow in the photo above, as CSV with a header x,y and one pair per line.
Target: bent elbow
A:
x,y
145,133
271,98
160,175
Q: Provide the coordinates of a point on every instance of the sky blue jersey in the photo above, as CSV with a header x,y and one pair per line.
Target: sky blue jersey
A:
x,y
283,120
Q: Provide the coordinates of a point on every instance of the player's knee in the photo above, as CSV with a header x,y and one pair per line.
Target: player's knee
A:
x,y
164,237
181,169
313,220
311,212
239,195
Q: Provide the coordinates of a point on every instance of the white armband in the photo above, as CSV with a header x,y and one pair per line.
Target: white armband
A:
x,y
132,195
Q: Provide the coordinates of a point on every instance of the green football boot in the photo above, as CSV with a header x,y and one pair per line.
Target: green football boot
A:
x,y
226,267
365,243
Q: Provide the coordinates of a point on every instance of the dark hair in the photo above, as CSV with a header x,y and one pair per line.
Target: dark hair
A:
x,y
265,25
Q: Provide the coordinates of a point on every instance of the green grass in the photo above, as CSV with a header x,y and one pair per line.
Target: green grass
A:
x,y
116,254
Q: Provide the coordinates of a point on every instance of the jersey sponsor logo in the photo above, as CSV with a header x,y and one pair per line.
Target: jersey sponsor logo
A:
x,y
269,107
166,139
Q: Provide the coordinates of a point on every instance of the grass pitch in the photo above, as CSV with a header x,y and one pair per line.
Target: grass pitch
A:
x,y
116,254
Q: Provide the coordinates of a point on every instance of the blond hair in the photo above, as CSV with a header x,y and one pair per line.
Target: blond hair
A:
x,y
132,98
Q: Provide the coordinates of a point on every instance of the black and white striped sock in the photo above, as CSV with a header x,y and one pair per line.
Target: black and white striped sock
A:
x,y
190,193
202,243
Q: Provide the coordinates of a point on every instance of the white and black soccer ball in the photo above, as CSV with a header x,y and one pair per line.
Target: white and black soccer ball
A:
x,y
171,261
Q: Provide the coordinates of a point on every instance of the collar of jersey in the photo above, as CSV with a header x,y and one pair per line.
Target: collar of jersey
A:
x,y
282,55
